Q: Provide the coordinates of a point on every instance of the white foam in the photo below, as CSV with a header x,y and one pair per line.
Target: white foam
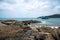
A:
x,y
54,27
43,22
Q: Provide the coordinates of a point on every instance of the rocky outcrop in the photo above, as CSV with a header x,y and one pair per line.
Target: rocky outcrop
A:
x,y
30,21
17,30
53,34
10,22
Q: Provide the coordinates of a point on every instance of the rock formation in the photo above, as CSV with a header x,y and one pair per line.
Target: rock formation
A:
x,y
19,30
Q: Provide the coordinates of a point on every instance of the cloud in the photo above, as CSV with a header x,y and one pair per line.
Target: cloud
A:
x,y
28,8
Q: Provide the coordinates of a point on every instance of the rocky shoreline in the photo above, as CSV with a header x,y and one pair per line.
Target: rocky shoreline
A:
x,y
19,30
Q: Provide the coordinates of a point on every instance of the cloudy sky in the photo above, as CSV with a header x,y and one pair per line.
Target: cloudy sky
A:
x,y
28,8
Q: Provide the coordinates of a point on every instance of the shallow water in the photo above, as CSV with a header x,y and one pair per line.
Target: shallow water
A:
x,y
48,22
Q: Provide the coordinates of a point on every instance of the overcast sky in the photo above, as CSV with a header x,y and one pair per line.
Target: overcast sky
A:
x,y
28,8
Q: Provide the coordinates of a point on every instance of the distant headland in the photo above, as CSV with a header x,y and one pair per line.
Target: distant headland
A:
x,y
51,16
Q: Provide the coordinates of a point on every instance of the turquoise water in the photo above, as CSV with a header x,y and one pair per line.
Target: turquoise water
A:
x,y
50,21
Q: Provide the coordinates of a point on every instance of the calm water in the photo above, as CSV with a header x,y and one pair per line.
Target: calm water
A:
x,y
48,22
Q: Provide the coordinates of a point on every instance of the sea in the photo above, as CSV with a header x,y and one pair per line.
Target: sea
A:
x,y
44,22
